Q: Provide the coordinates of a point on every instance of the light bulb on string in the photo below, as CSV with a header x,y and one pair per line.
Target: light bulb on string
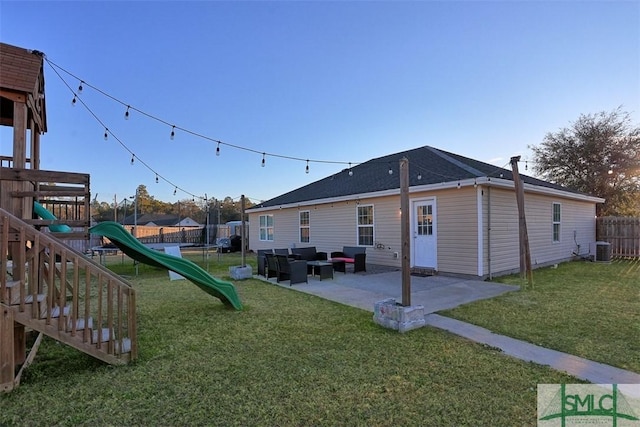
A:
x,y
419,176
173,132
526,165
132,159
80,87
390,170
73,101
218,149
263,160
306,170
157,180
475,183
350,170
175,190
106,133
126,113
459,185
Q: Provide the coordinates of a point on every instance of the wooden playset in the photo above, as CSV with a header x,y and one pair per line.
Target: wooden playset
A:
x,y
46,287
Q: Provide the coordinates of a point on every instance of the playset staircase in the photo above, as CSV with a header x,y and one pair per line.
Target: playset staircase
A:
x,y
50,289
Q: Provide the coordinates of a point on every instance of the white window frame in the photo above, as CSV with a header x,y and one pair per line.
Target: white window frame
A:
x,y
362,226
306,226
266,231
556,225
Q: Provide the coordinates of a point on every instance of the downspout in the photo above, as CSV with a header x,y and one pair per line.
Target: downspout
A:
x,y
489,231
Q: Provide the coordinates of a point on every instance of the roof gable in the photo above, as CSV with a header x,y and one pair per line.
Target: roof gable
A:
x,y
428,165
19,68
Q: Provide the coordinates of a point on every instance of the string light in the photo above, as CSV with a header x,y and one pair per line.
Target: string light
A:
x,y
306,170
218,149
419,176
526,165
390,170
350,170
80,87
132,159
157,180
126,113
263,160
106,133
459,185
173,132
73,101
175,190
475,183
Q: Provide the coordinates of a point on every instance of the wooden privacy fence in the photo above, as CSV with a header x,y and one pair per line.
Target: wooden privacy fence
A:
x,y
623,233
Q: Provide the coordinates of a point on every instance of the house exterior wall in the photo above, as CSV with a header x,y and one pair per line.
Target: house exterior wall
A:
x,y
501,241
461,214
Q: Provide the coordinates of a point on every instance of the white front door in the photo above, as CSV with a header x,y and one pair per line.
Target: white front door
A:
x,y
423,230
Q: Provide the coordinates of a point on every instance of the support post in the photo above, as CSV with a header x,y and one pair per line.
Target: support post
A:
x,y
7,355
404,231
525,254
242,231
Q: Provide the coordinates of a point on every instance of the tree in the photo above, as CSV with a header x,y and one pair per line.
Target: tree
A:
x,y
599,154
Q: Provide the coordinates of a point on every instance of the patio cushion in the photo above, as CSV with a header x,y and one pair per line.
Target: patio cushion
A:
x,y
343,259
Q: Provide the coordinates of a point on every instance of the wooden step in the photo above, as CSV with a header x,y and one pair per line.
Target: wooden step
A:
x,y
103,334
12,293
55,312
80,324
126,346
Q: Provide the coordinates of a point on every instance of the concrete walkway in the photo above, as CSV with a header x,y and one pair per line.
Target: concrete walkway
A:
x,y
438,293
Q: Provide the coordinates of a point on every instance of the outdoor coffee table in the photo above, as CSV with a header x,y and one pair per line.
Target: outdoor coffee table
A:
x,y
321,268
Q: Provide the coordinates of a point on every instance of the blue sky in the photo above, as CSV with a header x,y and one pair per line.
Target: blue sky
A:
x,y
331,81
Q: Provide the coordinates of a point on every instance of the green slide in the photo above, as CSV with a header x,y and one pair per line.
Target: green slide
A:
x,y
45,214
128,244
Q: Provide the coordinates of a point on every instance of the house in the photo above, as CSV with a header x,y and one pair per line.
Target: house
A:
x,y
463,218
161,220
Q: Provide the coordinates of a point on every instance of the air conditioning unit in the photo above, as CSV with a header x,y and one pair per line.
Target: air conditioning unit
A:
x,y
603,252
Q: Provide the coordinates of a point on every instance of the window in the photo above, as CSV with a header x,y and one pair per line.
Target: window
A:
x,y
365,225
304,226
266,227
425,220
556,222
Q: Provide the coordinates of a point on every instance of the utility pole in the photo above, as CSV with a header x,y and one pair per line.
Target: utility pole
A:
x,y
115,208
525,254
404,231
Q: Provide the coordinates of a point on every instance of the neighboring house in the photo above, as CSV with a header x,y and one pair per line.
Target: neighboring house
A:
x,y
161,220
463,219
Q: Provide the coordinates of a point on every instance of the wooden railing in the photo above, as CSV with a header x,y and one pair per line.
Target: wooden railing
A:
x,y
63,294
623,233
65,194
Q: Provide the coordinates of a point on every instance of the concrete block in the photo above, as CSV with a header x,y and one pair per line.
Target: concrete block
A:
x,y
392,315
240,273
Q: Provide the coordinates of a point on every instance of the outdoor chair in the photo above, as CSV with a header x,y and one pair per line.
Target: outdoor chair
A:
x,y
350,255
294,271
262,261
271,267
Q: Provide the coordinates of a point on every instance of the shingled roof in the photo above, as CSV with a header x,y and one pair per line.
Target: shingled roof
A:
x,y
427,165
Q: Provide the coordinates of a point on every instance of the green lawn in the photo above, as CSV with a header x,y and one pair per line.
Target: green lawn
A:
x,y
287,359
586,309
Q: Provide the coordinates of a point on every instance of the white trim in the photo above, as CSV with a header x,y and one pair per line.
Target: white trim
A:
x,y
300,226
373,225
486,181
553,223
480,231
